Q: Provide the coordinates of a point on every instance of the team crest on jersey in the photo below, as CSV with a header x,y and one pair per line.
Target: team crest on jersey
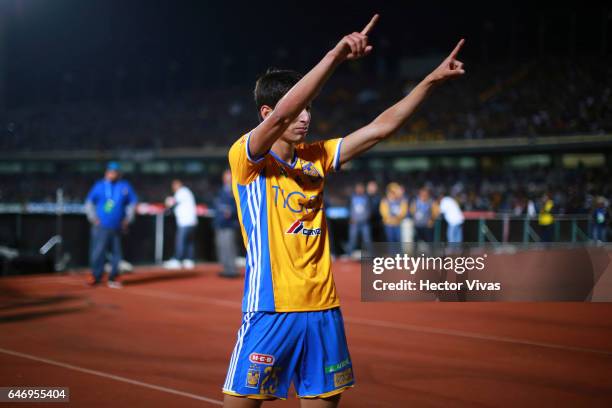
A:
x,y
310,170
253,376
297,228
261,358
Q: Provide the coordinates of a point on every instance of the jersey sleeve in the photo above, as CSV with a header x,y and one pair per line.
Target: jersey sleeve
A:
x,y
329,153
244,167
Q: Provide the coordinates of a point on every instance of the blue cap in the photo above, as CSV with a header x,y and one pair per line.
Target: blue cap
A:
x,y
113,165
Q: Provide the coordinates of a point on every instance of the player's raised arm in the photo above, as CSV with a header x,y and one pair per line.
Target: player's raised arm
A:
x,y
393,118
276,119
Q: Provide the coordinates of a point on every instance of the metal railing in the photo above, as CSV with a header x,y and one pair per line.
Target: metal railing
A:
x,y
573,228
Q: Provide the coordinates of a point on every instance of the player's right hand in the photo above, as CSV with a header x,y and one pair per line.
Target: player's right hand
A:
x,y
355,45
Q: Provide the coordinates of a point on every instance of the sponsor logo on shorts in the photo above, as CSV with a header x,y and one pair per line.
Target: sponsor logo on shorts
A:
x,y
343,377
298,228
337,367
261,358
253,376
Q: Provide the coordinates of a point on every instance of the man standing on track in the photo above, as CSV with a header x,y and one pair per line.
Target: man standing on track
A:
x,y
292,328
451,211
226,223
184,206
393,209
110,208
359,221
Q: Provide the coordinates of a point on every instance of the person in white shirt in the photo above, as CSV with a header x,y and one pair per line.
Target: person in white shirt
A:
x,y
184,206
453,216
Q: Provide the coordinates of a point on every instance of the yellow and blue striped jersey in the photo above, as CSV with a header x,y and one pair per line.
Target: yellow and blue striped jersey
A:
x,y
280,208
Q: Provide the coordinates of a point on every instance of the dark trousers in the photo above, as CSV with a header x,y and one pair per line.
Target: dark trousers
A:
x,y
424,234
599,232
393,233
546,233
184,246
103,240
359,228
225,239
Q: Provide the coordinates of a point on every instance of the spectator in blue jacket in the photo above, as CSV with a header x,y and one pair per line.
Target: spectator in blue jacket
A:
x,y
359,223
110,208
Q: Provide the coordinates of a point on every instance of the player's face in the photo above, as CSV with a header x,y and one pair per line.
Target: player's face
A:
x,y
112,175
298,129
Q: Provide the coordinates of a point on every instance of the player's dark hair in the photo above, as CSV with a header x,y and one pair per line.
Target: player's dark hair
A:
x,y
272,86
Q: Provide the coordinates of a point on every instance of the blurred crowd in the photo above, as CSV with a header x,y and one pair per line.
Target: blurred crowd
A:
x,y
549,96
371,210
501,191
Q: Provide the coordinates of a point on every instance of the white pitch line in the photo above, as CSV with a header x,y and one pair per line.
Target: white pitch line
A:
x,y
374,322
386,324
476,336
188,298
112,376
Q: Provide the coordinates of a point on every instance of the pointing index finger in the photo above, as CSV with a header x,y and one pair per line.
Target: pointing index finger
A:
x,y
454,53
370,25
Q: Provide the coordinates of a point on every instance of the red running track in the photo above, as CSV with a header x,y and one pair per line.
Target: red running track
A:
x,y
166,337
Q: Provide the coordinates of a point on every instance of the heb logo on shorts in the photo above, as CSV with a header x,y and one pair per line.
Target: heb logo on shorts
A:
x,y
261,358
298,228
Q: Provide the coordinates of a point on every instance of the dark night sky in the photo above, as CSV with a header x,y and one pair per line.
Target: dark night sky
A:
x,y
208,44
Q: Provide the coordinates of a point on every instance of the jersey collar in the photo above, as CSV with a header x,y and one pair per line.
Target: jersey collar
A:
x,y
293,162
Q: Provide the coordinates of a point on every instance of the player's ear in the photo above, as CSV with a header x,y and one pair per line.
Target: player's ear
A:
x,y
264,111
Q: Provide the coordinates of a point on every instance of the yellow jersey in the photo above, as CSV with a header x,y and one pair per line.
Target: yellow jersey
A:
x,y
546,217
280,208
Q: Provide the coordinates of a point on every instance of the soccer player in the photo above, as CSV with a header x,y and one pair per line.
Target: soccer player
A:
x,y
292,328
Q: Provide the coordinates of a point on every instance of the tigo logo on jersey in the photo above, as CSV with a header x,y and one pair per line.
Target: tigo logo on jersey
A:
x,y
261,358
298,228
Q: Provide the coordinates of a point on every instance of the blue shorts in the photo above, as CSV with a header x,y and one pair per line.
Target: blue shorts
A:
x,y
273,349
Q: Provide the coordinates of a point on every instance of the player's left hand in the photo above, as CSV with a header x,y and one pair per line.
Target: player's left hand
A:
x,y
450,68
355,45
